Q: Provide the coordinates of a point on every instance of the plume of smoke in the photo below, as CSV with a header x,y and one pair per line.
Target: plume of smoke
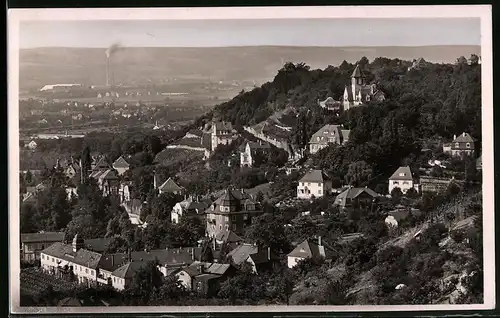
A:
x,y
112,49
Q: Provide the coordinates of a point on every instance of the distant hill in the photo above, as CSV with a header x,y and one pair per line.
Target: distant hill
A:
x,y
41,66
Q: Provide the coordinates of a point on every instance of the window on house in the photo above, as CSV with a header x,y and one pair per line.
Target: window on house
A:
x,y
52,260
233,217
234,227
114,279
226,227
92,272
468,145
319,191
245,217
43,257
457,145
309,184
220,227
86,270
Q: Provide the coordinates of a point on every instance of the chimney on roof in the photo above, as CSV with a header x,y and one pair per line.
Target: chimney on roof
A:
x,y
454,137
201,268
112,260
463,134
268,253
319,241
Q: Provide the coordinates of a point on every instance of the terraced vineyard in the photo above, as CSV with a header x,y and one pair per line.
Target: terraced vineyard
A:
x,y
34,281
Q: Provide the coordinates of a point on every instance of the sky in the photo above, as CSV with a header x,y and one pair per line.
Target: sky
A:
x,y
220,33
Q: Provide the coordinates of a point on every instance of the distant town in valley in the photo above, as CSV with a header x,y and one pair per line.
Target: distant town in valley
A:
x,y
265,178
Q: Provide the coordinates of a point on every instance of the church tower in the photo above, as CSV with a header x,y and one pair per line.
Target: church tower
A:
x,y
357,79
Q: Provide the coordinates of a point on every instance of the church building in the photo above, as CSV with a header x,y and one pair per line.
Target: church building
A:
x,y
359,92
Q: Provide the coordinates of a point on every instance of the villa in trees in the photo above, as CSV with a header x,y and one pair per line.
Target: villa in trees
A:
x,y
403,179
251,150
359,92
222,133
188,208
328,134
259,258
169,186
314,183
356,197
330,104
233,210
205,278
462,145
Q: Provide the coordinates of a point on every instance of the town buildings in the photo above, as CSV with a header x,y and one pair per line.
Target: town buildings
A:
x,y
233,210
328,134
403,179
462,145
250,152
258,258
359,92
330,104
314,183
33,243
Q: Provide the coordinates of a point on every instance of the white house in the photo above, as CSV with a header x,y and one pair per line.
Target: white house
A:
x,y
315,183
402,178
82,262
247,155
304,250
328,134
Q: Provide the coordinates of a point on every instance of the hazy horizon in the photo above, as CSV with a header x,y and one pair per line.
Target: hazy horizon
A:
x,y
345,32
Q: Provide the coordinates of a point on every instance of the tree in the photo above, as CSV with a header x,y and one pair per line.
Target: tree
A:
x,y
86,163
359,173
474,59
207,254
411,193
396,195
146,282
268,231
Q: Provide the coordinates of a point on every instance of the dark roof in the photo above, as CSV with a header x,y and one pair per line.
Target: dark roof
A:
x,y
82,257
241,253
206,277
128,270
357,72
402,173
352,193
315,176
308,249
102,163
257,145
169,256
228,236
121,163
465,137
191,142
233,196
98,244
170,186
208,268
228,198
111,262
42,237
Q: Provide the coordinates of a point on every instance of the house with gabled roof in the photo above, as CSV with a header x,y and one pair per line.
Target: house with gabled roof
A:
x,y
60,257
356,197
222,133
205,278
109,182
170,186
33,243
315,183
330,104
359,92
121,165
463,145
307,249
327,135
250,150
258,258
232,210
404,179
188,207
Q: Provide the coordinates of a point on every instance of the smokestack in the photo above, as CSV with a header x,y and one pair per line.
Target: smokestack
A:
x,y
107,70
